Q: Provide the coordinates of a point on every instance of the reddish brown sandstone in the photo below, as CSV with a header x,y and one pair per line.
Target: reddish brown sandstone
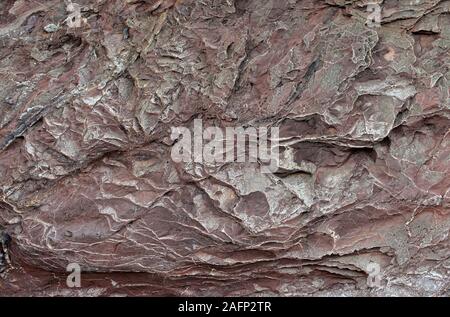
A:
x,y
87,176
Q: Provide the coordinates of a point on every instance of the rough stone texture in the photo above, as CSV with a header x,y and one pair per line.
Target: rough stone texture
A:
x,y
87,176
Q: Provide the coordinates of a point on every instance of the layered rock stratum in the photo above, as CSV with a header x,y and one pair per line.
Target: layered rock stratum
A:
x,y
86,174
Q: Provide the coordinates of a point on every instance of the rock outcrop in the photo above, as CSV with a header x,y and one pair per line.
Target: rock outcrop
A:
x,y
89,92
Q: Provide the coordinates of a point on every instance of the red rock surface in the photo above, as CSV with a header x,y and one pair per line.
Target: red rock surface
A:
x,y
87,176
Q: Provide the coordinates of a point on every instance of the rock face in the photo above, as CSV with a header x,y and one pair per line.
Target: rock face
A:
x,y
89,92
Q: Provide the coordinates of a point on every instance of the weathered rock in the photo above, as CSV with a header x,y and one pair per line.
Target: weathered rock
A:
x,y
86,112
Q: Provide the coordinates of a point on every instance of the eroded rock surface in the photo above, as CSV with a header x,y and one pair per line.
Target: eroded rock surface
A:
x,y
85,150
